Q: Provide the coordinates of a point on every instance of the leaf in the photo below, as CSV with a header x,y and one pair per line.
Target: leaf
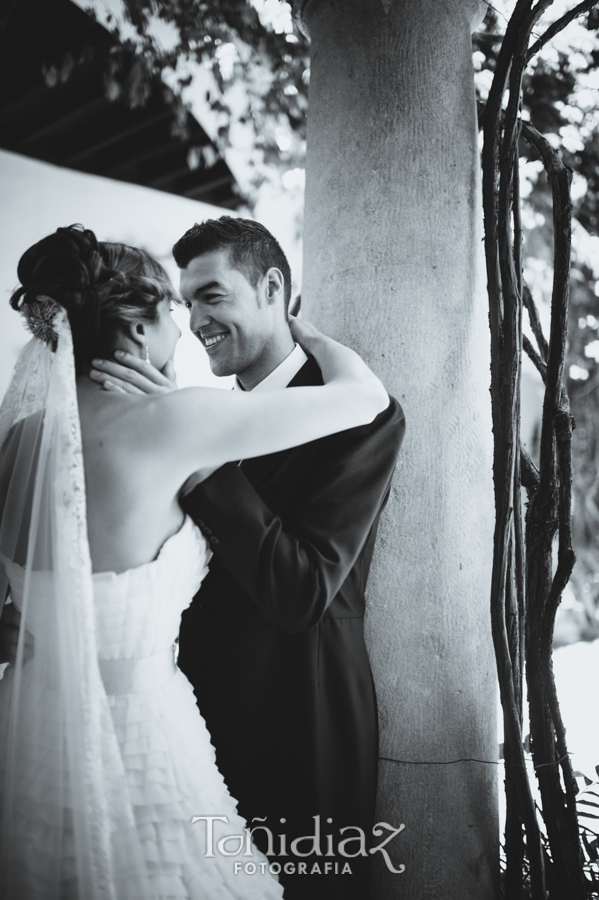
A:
x,y
588,803
587,780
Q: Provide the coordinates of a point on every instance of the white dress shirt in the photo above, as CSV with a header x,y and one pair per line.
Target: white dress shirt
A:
x,y
280,377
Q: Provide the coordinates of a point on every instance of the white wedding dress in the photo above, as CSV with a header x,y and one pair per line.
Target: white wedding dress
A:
x,y
169,762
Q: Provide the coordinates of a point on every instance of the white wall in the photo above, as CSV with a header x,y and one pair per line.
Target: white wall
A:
x,y
37,198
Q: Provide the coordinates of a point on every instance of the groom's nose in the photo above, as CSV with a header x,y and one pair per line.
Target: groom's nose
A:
x,y
198,319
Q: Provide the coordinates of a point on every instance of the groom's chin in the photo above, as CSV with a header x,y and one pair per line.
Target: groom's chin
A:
x,y
221,368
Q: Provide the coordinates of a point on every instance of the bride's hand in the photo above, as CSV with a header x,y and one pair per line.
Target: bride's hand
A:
x,y
132,375
197,478
305,333
338,363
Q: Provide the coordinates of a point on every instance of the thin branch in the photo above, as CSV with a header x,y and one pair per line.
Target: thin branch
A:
x,y
492,114
559,25
559,176
517,217
494,8
566,557
535,321
536,359
566,560
530,473
505,321
550,508
515,611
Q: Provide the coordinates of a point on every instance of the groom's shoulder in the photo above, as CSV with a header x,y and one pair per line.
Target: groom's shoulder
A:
x,y
390,424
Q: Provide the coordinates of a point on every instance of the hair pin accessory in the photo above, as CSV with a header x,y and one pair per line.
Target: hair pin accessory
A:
x,y
40,318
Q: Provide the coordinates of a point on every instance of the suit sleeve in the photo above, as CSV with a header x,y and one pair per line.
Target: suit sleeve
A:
x,y
293,570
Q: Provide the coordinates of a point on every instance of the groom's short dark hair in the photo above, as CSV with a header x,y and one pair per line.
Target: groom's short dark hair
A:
x,y
252,248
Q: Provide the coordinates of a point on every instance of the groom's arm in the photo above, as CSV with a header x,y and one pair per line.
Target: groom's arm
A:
x,y
293,572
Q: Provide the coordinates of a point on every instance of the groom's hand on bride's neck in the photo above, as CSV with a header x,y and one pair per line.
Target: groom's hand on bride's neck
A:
x,y
128,374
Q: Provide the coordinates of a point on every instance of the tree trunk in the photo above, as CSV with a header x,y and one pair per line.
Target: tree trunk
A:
x,y
393,267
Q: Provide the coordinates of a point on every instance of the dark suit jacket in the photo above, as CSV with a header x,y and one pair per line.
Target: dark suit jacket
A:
x,y
273,643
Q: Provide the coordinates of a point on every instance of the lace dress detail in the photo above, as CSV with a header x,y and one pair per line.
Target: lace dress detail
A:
x,y
165,748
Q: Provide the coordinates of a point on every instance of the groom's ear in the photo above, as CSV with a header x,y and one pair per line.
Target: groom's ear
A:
x,y
275,285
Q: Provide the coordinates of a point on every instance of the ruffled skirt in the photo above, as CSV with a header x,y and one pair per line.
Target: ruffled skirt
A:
x,y
183,810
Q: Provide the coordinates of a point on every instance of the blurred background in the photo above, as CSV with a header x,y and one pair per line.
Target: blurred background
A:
x,y
138,118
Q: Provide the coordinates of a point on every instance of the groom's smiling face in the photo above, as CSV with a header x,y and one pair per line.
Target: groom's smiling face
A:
x,y
233,320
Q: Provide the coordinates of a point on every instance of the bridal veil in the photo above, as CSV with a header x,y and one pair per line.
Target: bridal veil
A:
x,y
67,826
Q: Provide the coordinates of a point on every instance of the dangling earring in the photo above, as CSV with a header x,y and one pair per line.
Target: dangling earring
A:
x,y
147,351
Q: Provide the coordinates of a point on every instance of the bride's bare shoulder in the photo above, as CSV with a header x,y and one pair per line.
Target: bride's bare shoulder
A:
x,y
149,420
167,435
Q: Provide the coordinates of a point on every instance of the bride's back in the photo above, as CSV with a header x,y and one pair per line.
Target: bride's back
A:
x,y
114,296
131,493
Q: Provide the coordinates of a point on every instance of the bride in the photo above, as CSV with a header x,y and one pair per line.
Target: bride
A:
x,y
107,775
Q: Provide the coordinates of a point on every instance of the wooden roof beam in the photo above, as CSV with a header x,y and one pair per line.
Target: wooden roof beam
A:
x,y
54,129
202,189
114,139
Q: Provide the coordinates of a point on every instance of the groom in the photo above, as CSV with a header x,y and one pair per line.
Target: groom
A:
x,y
273,642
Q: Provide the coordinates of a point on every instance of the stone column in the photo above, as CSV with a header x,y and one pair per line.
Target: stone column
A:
x,y
393,267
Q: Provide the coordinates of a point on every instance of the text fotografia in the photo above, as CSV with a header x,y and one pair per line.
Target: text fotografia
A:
x,y
291,868
349,846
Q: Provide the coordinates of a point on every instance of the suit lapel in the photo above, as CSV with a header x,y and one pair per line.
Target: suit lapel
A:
x,y
308,375
262,468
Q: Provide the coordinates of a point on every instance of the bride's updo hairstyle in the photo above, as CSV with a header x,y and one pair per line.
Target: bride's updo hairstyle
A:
x,y
102,286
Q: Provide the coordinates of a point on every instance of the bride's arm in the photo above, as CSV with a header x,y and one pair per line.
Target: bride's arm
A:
x,y
209,427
